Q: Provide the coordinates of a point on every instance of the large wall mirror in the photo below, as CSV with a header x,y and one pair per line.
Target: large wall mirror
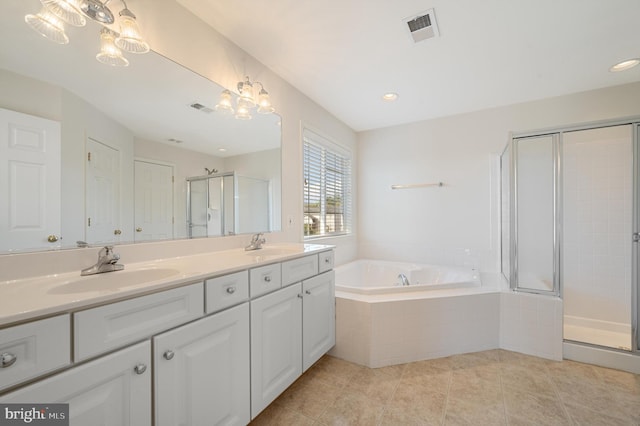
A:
x,y
99,154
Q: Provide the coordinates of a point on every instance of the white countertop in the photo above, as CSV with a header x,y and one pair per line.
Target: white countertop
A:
x,y
40,296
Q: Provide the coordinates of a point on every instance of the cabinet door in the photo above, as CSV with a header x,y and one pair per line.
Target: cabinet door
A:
x,y
202,371
319,317
114,390
276,345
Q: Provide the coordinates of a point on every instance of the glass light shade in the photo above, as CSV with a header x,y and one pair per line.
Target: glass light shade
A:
x,y
246,93
225,105
264,103
243,113
109,52
67,10
625,65
130,39
47,25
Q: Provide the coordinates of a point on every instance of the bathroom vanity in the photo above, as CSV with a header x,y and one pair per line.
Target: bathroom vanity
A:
x,y
206,339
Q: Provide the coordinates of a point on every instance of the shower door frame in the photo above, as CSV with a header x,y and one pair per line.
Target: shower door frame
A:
x,y
634,122
208,179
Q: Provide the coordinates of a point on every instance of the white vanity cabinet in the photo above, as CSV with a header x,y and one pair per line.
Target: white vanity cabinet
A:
x,y
291,328
114,390
318,317
201,371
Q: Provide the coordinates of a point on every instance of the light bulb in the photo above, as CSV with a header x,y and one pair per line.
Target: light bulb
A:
x,y
67,10
242,113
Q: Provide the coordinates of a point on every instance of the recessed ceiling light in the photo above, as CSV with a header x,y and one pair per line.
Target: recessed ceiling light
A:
x,y
390,97
222,150
625,65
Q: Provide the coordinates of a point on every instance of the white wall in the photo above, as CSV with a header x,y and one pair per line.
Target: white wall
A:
x,y
457,223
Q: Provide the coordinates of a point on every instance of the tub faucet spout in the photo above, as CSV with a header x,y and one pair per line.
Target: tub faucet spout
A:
x,y
403,279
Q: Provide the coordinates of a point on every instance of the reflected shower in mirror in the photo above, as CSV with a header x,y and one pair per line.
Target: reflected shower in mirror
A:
x,y
128,139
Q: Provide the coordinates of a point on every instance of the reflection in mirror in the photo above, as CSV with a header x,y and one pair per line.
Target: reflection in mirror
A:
x,y
127,140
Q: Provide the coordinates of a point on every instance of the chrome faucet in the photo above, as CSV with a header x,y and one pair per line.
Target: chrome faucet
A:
x,y
256,242
403,279
107,262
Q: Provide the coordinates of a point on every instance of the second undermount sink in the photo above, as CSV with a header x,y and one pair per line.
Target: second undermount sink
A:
x,y
113,281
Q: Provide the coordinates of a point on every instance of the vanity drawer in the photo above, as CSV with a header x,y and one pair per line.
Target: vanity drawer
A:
x,y
298,269
111,326
35,348
225,291
325,260
264,279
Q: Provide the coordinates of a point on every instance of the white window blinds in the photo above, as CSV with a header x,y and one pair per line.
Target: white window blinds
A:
x,y
327,188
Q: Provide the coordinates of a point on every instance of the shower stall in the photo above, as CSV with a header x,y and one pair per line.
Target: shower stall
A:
x,y
228,204
570,226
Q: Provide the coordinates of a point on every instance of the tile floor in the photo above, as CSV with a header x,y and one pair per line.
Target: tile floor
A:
x,y
495,387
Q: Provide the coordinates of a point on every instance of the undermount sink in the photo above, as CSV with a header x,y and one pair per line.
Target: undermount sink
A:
x,y
112,281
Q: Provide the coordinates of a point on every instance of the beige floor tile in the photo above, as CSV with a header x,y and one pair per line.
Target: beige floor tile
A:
x,y
429,366
419,401
378,384
523,407
309,398
333,371
464,412
396,417
475,359
585,416
476,391
528,380
354,410
277,415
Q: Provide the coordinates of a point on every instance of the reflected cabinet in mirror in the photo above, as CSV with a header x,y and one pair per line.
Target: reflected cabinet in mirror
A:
x,y
102,155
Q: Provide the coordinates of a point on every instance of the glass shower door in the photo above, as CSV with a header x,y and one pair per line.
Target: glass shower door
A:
x,y
597,223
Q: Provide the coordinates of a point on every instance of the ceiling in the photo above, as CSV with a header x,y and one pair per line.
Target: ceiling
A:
x,y
346,54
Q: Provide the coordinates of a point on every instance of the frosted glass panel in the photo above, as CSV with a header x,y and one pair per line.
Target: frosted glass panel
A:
x,y
505,199
535,213
597,228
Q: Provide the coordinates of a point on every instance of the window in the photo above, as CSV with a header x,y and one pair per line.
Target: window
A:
x,y
327,188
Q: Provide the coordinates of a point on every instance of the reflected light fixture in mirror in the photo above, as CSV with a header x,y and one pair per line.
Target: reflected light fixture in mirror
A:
x,y
49,24
246,100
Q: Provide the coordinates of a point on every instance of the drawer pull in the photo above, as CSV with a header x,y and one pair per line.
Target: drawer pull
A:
x,y
140,368
168,355
267,278
299,295
231,290
327,260
8,359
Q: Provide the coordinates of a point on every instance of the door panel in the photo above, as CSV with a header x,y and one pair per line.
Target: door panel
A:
x,y
103,193
153,201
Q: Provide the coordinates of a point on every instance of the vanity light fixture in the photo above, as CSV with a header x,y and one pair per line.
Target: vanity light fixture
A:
x,y
625,65
49,23
246,100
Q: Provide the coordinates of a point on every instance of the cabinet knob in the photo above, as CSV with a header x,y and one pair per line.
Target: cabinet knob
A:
x,y
8,359
168,355
268,278
117,232
140,368
327,260
299,296
307,291
231,290
138,229
52,238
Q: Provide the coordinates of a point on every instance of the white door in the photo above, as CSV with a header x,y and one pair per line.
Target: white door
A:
x,y
153,201
29,181
276,345
103,193
114,390
319,317
202,371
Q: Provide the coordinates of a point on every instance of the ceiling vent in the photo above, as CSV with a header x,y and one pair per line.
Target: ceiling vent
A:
x,y
422,26
200,107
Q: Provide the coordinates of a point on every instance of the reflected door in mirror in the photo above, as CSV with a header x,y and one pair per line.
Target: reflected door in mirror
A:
x,y
103,193
153,201
29,181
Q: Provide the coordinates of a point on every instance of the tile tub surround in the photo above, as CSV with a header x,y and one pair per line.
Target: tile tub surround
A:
x,y
495,387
